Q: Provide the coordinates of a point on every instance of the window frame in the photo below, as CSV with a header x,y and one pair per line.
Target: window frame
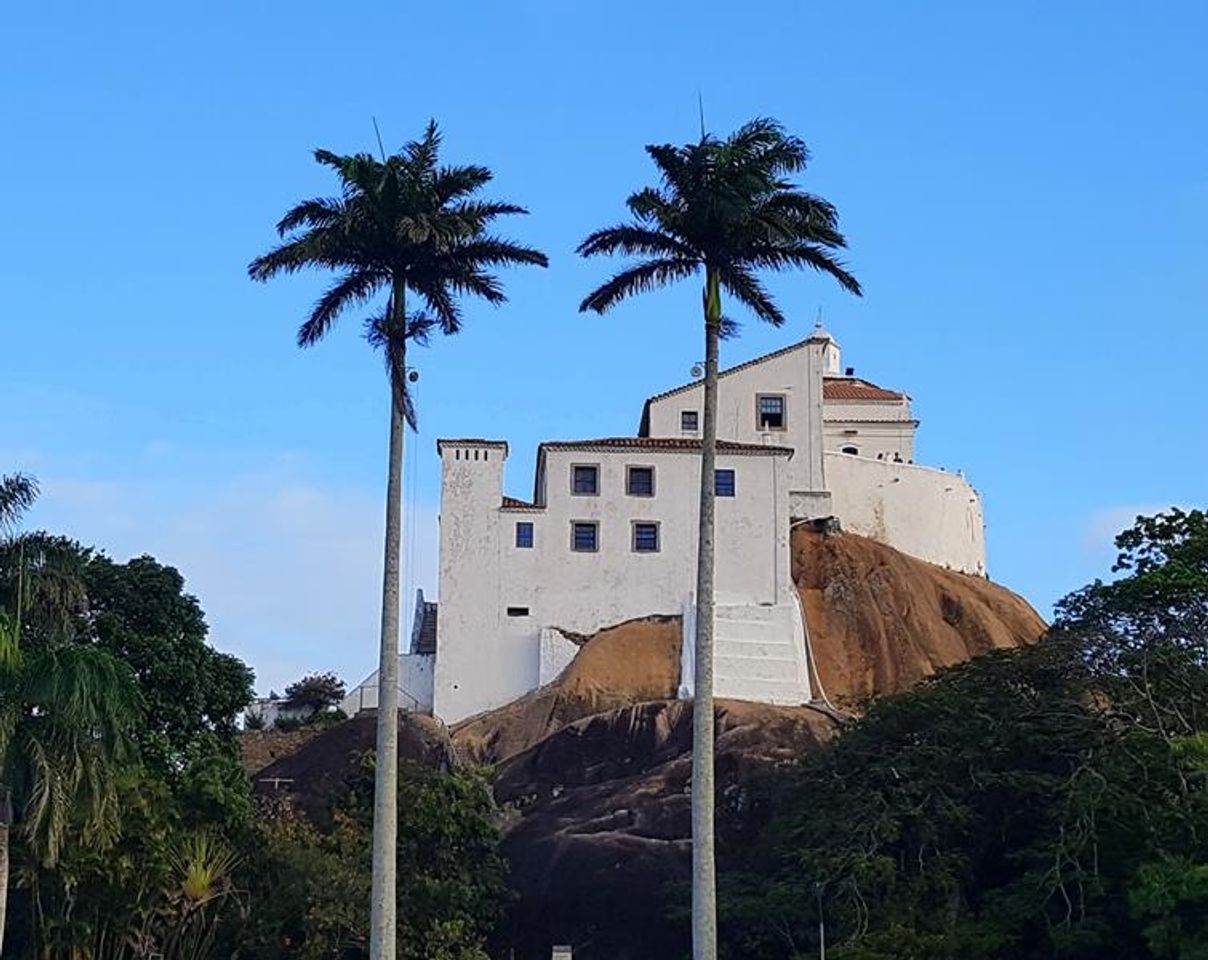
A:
x,y
528,524
633,535
695,415
629,468
784,412
574,468
733,474
595,525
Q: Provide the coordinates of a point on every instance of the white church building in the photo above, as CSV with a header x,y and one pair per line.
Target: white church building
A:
x,y
609,533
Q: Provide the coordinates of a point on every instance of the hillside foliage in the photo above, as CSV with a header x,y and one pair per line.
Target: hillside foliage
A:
x,y
1048,802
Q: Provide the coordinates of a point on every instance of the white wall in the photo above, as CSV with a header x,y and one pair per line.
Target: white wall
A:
x,y
888,438
796,374
927,513
487,658
415,672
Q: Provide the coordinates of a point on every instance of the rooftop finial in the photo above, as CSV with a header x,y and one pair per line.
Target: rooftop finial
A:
x,y
818,319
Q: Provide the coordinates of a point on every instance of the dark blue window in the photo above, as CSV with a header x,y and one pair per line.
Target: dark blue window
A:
x,y
585,480
524,534
723,483
640,482
769,413
585,537
645,538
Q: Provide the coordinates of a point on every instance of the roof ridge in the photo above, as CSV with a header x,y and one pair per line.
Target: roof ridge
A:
x,y
734,369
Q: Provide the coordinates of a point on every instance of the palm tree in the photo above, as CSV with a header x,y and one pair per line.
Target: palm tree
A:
x,y
17,494
67,713
725,208
400,224
67,718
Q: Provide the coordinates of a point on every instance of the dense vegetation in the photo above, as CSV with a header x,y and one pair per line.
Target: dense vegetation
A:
x,y
132,830
1050,802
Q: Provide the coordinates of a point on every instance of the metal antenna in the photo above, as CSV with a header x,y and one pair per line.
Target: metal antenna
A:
x,y
379,139
700,103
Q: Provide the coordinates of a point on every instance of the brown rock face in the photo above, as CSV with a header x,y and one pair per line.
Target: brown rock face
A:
x,y
319,767
594,769
601,819
630,663
880,621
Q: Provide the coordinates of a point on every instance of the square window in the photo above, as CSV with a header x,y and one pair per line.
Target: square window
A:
x,y
769,411
723,483
584,537
524,534
585,479
689,421
645,538
639,481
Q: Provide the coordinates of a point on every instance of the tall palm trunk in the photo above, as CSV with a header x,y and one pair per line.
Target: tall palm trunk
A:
x,y
704,868
383,914
6,818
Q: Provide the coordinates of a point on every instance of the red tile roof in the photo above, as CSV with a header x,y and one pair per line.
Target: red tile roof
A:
x,y
852,388
673,444
511,503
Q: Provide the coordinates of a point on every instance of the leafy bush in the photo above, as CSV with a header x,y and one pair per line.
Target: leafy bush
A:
x,y
309,888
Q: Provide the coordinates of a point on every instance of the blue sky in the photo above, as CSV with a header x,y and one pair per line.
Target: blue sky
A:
x,y
1024,187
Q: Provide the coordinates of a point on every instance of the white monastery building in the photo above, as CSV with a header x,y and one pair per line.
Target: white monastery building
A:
x,y
610,533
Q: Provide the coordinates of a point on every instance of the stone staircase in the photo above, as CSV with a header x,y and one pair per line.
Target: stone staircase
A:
x,y
759,653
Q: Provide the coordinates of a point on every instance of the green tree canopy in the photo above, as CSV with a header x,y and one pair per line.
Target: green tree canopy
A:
x,y
1050,802
319,691
138,611
313,885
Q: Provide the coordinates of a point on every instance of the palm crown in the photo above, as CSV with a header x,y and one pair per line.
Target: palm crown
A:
x,y
727,207
403,222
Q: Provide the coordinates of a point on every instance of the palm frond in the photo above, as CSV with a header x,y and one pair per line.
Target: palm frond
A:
x,y
744,286
455,183
477,283
651,205
393,343
353,289
81,706
673,164
477,214
18,492
400,219
639,279
762,146
316,248
490,251
421,154
320,212
813,256
728,203
631,240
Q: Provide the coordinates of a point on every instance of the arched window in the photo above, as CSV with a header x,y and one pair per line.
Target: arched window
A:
x,y
854,451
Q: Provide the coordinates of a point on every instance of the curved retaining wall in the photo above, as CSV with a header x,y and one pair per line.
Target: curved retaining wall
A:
x,y
927,513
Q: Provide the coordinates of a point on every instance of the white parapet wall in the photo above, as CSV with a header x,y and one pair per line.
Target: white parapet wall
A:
x,y
414,687
928,513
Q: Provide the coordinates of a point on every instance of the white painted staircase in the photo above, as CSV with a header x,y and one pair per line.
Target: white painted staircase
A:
x,y
759,653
